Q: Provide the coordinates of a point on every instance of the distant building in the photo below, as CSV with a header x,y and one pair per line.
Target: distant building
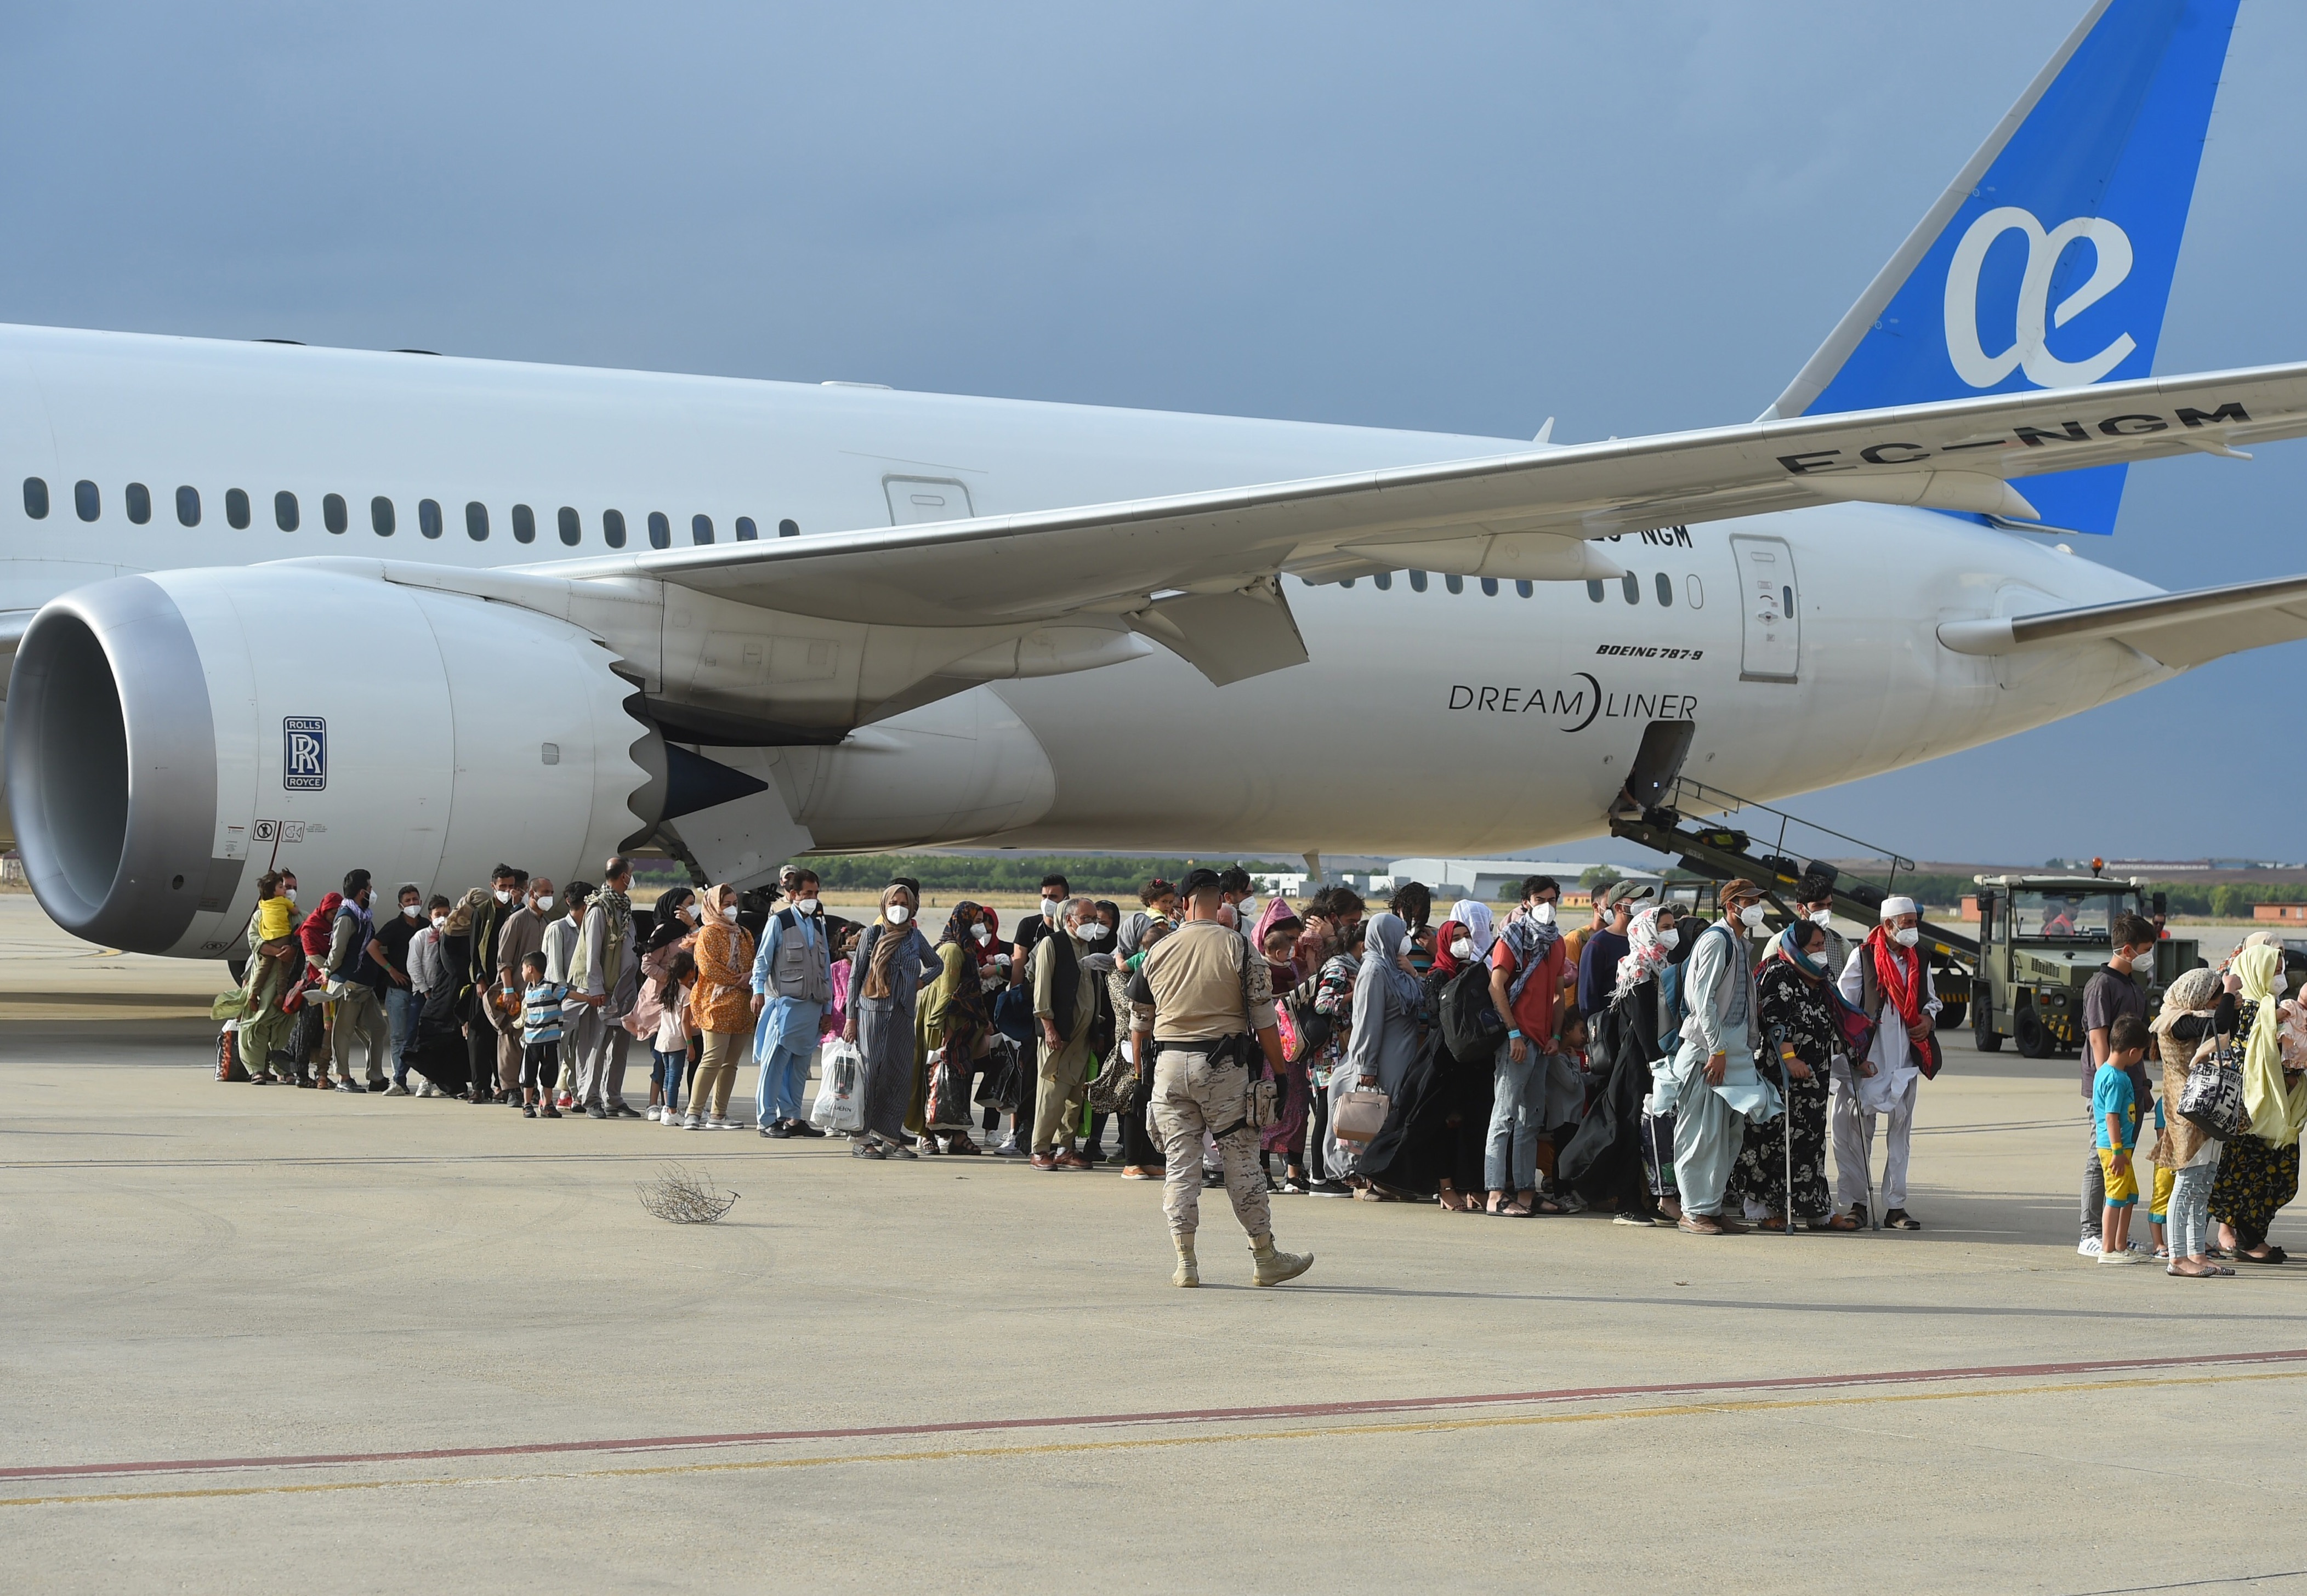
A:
x,y
2294,912
1499,881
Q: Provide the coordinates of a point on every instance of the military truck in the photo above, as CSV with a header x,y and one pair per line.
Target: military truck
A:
x,y
2041,938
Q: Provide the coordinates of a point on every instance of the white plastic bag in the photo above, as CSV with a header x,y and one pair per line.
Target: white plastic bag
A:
x,y
840,1105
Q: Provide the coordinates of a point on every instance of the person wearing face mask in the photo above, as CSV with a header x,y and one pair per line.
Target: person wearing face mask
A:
x,y
436,1044
355,983
1604,1162
2258,1169
1527,963
1065,1008
561,934
605,970
721,1007
499,904
1814,903
672,933
951,1018
390,948
793,981
1889,981
1034,927
520,934
1800,1015
2117,988
1711,1084
886,973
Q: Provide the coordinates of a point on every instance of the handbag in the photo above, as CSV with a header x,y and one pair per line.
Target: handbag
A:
x,y
949,1099
1359,1116
2212,1099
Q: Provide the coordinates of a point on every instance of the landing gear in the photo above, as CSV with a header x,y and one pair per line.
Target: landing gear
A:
x,y
2034,1038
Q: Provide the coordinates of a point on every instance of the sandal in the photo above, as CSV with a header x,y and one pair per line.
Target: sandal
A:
x,y
1547,1204
1841,1222
1899,1219
1776,1224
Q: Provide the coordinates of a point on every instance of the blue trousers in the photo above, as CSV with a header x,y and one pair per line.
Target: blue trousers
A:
x,y
784,1075
666,1073
402,1005
1510,1158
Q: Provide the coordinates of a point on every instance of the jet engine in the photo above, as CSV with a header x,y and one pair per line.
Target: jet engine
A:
x,y
170,737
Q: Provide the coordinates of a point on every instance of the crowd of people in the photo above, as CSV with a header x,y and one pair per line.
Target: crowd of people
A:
x,y
1664,1067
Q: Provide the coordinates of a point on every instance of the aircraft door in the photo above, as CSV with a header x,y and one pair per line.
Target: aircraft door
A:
x,y
914,500
1771,637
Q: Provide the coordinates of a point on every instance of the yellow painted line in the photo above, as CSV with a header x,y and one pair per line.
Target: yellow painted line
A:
x,y
1145,1443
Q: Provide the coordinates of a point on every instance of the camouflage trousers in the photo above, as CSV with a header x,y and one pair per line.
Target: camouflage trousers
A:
x,y
1192,1096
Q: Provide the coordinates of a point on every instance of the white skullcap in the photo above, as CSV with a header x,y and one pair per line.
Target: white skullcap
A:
x,y
1892,907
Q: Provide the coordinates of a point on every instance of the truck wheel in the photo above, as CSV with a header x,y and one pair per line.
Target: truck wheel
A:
x,y
2035,1041
1983,1034
1951,1015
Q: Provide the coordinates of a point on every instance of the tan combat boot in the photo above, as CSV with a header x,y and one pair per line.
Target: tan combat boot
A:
x,y
1274,1267
1189,1273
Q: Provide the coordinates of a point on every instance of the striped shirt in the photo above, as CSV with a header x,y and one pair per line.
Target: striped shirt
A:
x,y
540,1012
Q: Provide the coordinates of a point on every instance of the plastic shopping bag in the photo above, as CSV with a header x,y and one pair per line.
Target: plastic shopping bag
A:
x,y
840,1105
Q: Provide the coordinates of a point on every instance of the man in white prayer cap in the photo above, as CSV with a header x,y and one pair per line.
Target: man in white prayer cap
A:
x,y
1888,979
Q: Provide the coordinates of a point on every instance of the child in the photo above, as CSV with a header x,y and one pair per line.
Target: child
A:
x,y
2159,1207
670,1046
2115,1112
275,921
540,1033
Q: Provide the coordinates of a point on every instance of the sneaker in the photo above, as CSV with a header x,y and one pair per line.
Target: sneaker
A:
x,y
622,1110
1630,1218
891,1149
776,1130
670,1118
722,1123
564,1101
593,1110
346,1086
397,1090
2141,1248
654,1110
802,1128
2089,1247
1329,1188
548,1112
1010,1150
2124,1256
529,1111
692,1122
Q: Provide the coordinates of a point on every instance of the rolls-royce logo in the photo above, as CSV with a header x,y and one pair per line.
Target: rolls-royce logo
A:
x,y
304,753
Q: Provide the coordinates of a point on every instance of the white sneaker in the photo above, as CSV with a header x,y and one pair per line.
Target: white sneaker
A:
x,y
693,1122
670,1118
653,1112
2125,1257
2089,1247
395,1090
720,1123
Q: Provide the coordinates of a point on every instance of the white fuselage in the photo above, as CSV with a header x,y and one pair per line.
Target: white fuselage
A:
x,y
1427,721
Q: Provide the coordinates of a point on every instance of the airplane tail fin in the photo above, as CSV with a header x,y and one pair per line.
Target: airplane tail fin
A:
x,y
2047,262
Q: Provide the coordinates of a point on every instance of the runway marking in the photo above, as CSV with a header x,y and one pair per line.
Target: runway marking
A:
x,y
690,1443
1145,1443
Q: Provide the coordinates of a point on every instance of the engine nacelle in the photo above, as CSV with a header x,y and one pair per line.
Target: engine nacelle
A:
x,y
170,737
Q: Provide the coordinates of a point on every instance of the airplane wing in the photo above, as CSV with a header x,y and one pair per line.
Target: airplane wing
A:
x,y
1182,568
2177,629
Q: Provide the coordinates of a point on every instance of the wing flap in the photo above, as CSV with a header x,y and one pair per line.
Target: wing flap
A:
x,y
2180,629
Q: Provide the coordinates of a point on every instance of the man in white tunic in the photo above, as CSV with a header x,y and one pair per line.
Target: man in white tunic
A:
x,y
1889,980
1711,1084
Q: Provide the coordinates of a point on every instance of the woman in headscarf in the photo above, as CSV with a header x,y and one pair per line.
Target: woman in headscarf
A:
x,y
952,1017
1334,1002
1141,1159
1463,941
891,962
480,1036
2195,1008
721,1007
1276,935
1388,1023
673,932
1604,1162
2258,1171
1800,1009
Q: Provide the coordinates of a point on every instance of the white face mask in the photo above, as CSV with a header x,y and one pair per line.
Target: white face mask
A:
x,y
412,910
1751,916
504,894
982,935
809,906
1543,914
289,894
730,913
1907,936
544,902
440,922
897,914
1669,939
1462,949
1821,916
1049,907
1095,931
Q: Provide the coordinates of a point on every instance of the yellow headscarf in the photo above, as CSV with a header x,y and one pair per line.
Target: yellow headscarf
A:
x,y
2276,1115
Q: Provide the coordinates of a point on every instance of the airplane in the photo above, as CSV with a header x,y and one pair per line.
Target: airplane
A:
x,y
741,621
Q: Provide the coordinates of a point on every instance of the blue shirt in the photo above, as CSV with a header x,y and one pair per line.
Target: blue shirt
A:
x,y
540,1011
2111,1093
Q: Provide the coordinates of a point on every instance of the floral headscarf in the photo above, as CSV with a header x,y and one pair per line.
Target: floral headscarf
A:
x,y
1644,957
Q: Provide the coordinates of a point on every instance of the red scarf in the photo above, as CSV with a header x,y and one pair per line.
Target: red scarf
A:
x,y
1899,972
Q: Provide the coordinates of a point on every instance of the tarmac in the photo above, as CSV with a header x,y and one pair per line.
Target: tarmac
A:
x,y
276,1340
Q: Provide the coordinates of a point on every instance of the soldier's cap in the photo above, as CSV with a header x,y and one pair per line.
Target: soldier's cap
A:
x,y
1198,881
1626,891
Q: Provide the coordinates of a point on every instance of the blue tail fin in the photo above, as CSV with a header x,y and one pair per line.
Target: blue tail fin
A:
x,y
2047,263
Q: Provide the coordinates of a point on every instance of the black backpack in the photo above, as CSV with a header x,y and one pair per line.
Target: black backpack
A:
x,y
1471,1026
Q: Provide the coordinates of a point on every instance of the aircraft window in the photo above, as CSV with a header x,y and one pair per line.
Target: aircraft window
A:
x,y
284,510
1694,592
87,500
188,507
1633,585
1489,587
1385,581
332,512
477,521
789,529
572,530
660,531
1594,591
428,516
700,529
380,516
612,528
1525,588
235,508
1665,590
36,499
140,502
1418,581
524,525
748,530
1455,583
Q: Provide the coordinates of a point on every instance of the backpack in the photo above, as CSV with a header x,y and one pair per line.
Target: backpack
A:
x,y
1471,1026
1013,1013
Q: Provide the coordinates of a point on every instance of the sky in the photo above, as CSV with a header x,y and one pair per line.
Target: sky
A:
x,y
1461,218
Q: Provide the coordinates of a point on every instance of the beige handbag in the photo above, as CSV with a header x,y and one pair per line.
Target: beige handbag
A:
x,y
1359,1116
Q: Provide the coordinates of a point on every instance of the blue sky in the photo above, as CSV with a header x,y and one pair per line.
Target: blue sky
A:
x,y
1466,217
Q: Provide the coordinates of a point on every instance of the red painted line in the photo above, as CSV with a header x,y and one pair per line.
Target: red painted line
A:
x,y
1310,1410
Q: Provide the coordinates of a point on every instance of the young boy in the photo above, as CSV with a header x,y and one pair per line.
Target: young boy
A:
x,y
540,1032
2114,1110
2159,1204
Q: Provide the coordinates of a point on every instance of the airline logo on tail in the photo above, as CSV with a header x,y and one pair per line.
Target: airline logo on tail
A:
x,y
2029,350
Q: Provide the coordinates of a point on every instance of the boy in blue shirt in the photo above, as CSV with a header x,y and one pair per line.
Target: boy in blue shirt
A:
x,y
2115,1113
541,1004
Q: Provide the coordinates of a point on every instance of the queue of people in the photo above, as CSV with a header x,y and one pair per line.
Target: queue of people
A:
x,y
1654,1064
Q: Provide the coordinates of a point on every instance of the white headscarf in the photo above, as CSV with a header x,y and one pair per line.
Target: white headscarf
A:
x,y
1475,917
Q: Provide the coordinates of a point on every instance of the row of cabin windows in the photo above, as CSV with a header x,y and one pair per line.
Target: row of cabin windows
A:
x,y
88,503
1630,583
